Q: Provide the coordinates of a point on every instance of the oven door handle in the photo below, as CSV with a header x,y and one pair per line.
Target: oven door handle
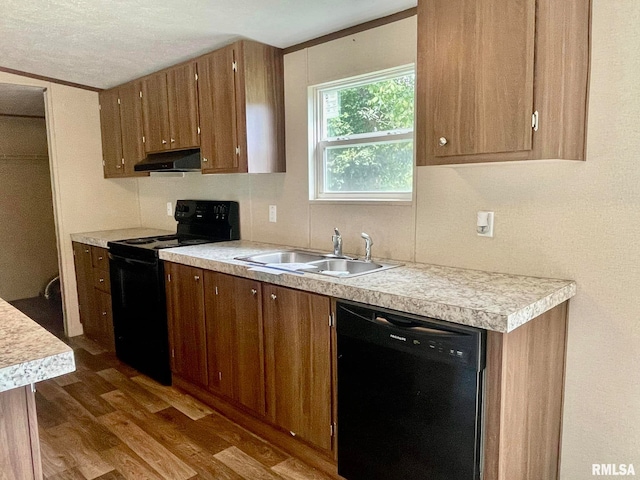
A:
x,y
132,261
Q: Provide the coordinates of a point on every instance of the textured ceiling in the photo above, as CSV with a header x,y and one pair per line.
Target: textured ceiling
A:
x,y
102,43
21,100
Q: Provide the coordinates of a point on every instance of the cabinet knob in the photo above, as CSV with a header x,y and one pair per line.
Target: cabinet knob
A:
x,y
273,296
253,291
164,142
173,140
104,314
86,250
118,166
196,278
100,258
101,280
442,141
205,159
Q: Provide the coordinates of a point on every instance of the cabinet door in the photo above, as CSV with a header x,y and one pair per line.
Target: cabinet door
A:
x,y
86,294
185,309
131,126
260,107
475,77
104,324
182,96
111,136
218,122
298,362
235,339
155,113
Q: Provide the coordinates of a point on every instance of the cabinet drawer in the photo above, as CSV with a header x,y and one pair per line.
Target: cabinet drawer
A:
x,y
101,280
100,258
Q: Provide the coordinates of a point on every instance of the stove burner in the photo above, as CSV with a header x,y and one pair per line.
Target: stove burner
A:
x,y
194,241
139,241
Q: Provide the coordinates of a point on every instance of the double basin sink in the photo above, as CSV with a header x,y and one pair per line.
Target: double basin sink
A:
x,y
321,263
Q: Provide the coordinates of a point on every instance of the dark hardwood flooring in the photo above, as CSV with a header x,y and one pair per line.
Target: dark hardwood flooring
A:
x,y
107,421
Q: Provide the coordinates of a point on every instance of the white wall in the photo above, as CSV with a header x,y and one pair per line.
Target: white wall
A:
x,y
83,200
576,220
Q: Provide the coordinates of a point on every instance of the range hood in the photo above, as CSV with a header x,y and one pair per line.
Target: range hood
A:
x,y
176,161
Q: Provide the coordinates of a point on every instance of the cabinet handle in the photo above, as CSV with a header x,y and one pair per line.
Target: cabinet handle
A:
x,y
273,296
205,159
253,291
101,280
86,250
104,314
99,258
442,141
173,140
118,166
196,278
164,142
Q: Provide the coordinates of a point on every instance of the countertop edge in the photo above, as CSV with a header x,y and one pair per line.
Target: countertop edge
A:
x,y
497,319
455,314
37,370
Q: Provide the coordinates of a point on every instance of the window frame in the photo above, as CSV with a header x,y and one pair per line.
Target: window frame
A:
x,y
319,145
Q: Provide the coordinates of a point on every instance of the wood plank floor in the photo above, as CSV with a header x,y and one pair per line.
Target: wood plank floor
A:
x,y
107,421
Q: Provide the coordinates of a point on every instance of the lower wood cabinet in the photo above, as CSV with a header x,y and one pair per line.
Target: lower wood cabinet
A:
x,y
20,452
187,331
235,342
298,360
94,293
263,349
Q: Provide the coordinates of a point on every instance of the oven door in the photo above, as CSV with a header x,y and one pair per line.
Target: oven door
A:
x,y
140,315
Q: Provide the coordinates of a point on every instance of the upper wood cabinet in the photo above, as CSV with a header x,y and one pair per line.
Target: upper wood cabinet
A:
x,y
298,363
241,103
121,127
170,109
482,93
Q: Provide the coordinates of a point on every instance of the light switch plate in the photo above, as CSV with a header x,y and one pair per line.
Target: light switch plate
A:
x,y
273,213
169,209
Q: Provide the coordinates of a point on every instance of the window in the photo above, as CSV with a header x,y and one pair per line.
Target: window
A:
x,y
363,137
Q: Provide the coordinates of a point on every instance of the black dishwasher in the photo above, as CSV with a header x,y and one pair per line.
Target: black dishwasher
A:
x,y
409,396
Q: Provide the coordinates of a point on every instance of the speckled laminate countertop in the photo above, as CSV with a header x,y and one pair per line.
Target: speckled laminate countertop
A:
x,y
28,353
493,301
100,239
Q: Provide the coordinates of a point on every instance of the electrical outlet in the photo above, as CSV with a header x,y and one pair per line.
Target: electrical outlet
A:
x,y
169,209
273,213
484,224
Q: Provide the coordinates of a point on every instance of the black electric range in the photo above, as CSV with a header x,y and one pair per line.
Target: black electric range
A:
x,y
137,282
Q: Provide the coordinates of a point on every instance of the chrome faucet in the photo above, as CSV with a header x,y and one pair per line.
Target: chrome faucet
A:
x,y
337,243
367,246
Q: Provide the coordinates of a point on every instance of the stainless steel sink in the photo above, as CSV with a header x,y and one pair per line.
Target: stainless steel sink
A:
x,y
337,266
322,263
285,256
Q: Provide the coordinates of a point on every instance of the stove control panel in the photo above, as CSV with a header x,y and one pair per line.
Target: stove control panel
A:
x,y
210,218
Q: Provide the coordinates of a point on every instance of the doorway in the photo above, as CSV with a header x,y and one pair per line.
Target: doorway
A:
x,y
29,265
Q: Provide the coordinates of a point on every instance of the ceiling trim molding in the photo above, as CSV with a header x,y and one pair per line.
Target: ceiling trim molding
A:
x,y
410,12
49,79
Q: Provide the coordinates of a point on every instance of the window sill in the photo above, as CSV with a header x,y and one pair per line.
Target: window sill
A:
x,y
360,201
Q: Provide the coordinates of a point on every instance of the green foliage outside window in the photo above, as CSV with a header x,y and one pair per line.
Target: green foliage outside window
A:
x,y
387,105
